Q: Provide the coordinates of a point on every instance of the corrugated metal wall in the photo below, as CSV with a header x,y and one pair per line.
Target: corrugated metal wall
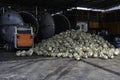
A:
x,y
96,20
92,18
112,21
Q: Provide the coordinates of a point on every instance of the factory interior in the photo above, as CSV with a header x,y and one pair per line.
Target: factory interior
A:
x,y
59,40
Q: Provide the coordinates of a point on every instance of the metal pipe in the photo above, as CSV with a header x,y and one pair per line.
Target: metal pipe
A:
x,y
36,11
3,9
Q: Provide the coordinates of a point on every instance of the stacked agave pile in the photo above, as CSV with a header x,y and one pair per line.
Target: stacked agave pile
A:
x,y
74,44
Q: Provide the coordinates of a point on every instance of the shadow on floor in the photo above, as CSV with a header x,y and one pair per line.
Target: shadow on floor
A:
x,y
10,56
101,67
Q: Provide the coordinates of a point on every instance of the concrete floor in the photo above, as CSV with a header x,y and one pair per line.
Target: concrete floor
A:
x,y
40,68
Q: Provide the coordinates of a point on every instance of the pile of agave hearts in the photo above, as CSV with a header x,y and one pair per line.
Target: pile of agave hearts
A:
x,y
73,44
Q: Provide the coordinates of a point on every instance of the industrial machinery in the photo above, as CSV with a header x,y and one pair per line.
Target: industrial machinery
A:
x,y
21,30
23,37
15,32
61,23
47,26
